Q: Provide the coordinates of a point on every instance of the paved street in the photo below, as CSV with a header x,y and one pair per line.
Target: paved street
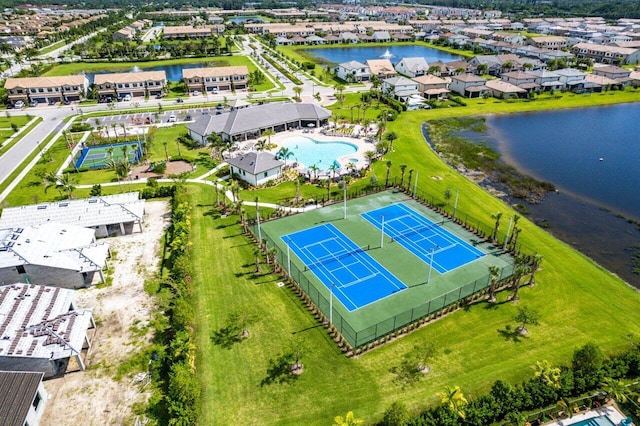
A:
x,y
53,116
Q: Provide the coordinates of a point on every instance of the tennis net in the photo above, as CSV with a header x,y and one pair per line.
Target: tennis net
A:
x,y
334,257
420,229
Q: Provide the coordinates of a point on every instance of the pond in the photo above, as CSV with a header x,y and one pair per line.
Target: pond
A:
x,y
173,72
593,153
338,55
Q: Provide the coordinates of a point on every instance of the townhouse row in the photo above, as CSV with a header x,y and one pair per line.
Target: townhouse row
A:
x,y
74,88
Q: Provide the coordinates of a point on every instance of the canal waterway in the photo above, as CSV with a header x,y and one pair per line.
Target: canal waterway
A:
x,y
592,155
338,55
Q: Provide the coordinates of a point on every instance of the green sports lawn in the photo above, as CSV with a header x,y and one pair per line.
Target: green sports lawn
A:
x,y
396,310
579,302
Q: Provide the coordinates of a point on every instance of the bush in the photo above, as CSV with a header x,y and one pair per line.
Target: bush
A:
x,y
81,127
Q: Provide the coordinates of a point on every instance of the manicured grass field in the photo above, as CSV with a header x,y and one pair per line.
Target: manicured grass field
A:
x,y
475,346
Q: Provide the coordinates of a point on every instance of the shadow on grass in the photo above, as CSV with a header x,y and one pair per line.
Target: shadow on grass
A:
x,y
227,336
313,327
512,334
279,372
495,305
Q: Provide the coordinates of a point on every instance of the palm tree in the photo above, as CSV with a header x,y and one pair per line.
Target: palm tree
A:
x,y
235,190
548,374
314,169
268,133
454,399
535,265
494,273
615,389
297,90
386,182
391,136
284,154
256,255
333,168
410,179
166,152
348,420
67,183
519,272
403,168
497,217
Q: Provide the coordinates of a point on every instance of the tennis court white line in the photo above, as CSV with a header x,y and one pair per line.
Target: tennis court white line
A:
x,y
358,281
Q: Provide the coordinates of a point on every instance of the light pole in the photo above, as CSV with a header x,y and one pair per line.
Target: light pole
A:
x,y
288,257
259,230
344,186
431,263
382,233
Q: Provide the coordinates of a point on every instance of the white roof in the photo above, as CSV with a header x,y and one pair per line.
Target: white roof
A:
x,y
54,245
28,315
86,212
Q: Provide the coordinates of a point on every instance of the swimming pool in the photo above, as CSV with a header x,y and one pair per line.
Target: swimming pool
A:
x,y
323,154
595,421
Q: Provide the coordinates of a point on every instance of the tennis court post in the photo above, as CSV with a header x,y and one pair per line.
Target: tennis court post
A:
x,y
455,204
345,199
331,304
382,233
288,257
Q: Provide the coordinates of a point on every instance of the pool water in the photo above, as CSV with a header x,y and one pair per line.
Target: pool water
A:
x,y
323,154
595,421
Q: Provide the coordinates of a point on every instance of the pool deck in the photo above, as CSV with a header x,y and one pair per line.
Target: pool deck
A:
x,y
362,141
609,410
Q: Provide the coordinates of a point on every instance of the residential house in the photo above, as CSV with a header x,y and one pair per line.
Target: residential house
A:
x,y
353,71
108,215
248,123
256,168
607,54
549,42
59,254
190,32
45,89
468,85
124,34
412,67
547,80
458,39
348,37
23,398
598,83
401,88
523,80
502,90
571,78
381,36
216,78
381,68
621,75
42,330
133,84
432,86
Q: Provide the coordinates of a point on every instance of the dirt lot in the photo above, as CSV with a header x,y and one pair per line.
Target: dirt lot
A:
x,y
93,397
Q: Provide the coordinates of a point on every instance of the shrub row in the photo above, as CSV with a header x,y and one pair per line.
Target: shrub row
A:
x,y
588,370
180,404
284,72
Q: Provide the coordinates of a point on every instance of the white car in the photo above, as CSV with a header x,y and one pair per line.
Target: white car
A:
x,y
172,118
19,104
126,98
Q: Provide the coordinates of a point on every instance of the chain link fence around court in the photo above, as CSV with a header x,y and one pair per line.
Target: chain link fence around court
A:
x,y
425,310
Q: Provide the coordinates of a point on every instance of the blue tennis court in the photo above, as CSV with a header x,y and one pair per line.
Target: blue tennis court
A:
x,y
355,278
100,156
426,239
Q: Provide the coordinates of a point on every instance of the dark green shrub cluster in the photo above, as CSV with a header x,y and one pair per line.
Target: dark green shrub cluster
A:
x,y
157,192
81,127
588,370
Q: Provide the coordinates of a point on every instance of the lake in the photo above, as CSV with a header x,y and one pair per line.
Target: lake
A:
x,y
338,55
173,72
592,156
593,153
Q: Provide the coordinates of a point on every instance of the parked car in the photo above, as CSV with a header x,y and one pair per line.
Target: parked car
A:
x,y
214,91
219,106
66,102
172,118
51,102
126,98
159,96
33,104
188,117
179,100
19,104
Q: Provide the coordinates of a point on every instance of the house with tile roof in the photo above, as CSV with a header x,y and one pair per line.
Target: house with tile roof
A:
x,y
45,89
381,68
134,84
412,67
216,78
